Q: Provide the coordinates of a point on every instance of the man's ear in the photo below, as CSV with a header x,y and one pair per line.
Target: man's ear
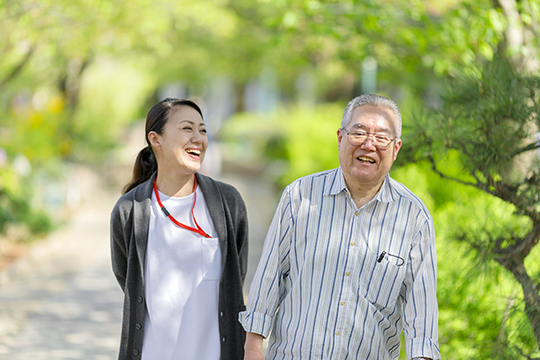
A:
x,y
339,137
397,147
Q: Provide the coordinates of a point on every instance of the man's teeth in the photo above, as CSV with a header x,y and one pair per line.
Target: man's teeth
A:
x,y
366,159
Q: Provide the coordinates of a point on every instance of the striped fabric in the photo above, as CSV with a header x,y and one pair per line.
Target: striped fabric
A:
x,y
319,290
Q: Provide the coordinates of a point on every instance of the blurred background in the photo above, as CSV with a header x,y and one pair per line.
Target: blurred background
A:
x,y
273,77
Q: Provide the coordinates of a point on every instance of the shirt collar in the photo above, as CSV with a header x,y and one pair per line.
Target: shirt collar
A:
x,y
337,184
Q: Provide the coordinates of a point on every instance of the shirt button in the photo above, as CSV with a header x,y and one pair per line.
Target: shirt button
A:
x,y
337,332
347,273
221,314
138,326
342,303
356,213
223,339
140,299
135,352
353,243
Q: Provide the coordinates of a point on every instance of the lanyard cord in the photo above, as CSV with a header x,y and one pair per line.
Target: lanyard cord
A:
x,y
198,230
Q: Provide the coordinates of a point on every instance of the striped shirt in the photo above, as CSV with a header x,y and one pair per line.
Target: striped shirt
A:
x,y
320,290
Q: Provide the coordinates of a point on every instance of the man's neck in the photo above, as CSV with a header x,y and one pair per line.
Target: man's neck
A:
x,y
362,193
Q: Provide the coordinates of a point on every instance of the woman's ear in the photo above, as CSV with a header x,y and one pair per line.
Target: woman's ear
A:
x,y
154,139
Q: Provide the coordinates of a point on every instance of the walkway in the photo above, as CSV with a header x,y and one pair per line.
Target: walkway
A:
x,y
62,301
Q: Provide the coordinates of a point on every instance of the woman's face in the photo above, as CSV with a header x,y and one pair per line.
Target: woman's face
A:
x,y
180,149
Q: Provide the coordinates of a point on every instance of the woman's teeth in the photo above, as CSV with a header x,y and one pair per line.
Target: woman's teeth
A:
x,y
194,152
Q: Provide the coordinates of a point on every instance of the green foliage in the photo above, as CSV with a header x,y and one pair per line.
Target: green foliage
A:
x,y
298,141
112,96
37,132
16,206
72,73
489,118
480,304
483,139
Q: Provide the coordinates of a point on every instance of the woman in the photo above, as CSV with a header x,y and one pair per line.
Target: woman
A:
x,y
179,246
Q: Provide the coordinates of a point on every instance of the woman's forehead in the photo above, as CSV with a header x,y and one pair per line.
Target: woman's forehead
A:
x,y
186,113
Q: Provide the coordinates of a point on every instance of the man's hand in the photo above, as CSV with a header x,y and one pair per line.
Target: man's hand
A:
x,y
253,348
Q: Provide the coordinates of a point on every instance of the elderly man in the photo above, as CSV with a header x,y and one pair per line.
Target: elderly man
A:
x,y
349,260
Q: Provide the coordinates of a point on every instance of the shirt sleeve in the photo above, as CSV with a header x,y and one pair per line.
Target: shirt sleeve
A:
x,y
420,318
267,288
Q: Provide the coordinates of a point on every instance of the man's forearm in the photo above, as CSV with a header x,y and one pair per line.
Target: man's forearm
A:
x,y
253,347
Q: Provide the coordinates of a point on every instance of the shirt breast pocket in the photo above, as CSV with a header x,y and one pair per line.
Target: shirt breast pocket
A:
x,y
380,282
211,259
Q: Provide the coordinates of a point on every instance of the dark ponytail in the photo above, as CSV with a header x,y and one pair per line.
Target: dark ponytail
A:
x,y
146,163
145,166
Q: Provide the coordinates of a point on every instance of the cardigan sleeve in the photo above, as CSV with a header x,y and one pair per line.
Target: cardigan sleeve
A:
x,y
120,221
242,239
238,212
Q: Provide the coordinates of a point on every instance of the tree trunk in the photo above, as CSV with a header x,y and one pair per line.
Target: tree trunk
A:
x,y
518,35
530,293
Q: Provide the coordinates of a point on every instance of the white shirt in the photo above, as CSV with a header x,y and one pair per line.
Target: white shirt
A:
x,y
182,274
320,288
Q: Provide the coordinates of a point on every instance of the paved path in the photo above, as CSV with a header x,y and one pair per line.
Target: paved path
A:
x,y
62,301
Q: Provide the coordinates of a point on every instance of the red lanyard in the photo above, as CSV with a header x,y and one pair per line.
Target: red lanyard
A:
x,y
198,230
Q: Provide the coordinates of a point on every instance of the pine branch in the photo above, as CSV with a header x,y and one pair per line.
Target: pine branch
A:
x,y
444,176
532,146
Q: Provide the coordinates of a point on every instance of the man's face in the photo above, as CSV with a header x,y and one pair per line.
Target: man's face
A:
x,y
365,165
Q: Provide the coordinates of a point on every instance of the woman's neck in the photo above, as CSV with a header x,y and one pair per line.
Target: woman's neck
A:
x,y
175,186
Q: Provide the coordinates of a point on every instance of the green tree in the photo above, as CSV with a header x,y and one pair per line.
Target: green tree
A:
x,y
485,136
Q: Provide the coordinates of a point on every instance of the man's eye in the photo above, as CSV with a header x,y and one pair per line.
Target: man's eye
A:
x,y
381,138
360,134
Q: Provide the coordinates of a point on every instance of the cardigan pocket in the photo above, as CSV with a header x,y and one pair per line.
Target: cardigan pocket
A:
x,y
211,259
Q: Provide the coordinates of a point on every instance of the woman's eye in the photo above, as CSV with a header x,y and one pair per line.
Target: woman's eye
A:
x,y
203,131
187,128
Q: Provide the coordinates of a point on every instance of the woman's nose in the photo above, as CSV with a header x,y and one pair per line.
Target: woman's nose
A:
x,y
197,137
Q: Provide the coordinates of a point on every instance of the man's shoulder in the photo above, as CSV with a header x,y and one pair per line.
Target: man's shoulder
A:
x,y
401,191
322,177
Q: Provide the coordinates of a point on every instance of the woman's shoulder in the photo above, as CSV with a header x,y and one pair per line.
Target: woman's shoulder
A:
x,y
226,189
138,194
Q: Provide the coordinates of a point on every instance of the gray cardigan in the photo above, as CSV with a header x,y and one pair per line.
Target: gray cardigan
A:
x,y
129,235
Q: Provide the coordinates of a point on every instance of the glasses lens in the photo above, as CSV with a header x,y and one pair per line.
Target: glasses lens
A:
x,y
381,142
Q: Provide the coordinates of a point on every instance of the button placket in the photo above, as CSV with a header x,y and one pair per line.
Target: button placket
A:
x,y
344,321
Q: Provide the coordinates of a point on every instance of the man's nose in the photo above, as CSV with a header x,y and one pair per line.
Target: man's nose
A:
x,y
368,142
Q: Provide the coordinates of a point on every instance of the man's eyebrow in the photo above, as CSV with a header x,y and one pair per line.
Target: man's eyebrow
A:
x,y
362,126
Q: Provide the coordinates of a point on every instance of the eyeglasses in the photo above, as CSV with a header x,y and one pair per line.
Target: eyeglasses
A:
x,y
357,138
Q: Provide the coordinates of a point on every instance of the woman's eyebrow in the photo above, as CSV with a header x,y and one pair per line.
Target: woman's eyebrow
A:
x,y
191,122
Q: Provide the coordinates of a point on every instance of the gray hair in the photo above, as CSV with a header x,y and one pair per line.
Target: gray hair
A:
x,y
375,100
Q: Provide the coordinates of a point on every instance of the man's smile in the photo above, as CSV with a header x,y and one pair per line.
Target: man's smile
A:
x,y
366,159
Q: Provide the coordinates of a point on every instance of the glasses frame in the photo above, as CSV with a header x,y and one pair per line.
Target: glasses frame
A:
x,y
367,136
